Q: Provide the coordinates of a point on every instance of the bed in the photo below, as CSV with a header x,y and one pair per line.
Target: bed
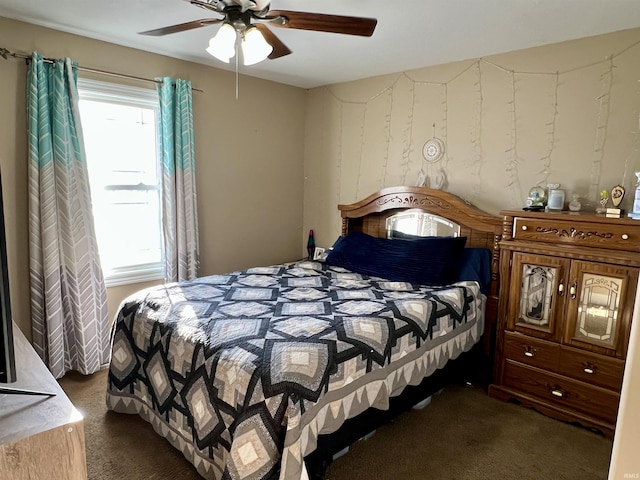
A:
x,y
269,372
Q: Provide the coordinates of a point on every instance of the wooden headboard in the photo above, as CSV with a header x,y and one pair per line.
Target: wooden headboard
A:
x,y
481,229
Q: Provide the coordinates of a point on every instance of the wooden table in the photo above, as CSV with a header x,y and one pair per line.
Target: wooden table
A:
x,y
41,437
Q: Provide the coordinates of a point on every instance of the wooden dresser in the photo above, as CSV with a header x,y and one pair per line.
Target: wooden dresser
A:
x,y
41,437
568,284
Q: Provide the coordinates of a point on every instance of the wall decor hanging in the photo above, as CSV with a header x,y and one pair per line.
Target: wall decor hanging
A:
x,y
433,150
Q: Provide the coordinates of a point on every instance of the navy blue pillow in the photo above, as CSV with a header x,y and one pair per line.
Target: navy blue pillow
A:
x,y
475,265
425,261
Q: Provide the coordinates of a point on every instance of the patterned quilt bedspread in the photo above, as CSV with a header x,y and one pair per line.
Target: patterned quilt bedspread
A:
x,y
242,372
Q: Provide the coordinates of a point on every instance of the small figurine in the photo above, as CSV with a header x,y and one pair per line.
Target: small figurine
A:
x,y
536,200
604,198
617,193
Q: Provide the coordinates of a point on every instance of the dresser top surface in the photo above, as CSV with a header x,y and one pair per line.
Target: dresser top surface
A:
x,y
25,415
572,217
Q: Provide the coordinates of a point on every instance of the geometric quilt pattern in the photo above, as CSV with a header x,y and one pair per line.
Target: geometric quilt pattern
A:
x,y
223,363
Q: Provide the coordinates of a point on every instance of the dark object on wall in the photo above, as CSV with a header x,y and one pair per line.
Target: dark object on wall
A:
x,y
311,245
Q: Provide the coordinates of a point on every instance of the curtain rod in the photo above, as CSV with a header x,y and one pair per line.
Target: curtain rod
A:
x,y
4,53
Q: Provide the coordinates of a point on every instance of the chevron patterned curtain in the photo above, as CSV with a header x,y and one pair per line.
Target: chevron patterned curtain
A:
x,y
71,329
179,215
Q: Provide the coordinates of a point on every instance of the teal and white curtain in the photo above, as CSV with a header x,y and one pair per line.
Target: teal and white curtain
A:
x,y
179,212
71,329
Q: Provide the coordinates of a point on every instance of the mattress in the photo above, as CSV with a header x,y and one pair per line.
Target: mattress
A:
x,y
243,371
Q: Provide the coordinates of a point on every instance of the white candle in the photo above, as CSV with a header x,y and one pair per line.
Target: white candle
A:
x,y
556,199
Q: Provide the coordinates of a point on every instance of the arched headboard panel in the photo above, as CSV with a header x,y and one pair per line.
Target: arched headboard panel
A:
x,y
482,229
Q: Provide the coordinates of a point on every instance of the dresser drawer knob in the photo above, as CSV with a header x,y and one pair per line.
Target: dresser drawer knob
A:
x,y
524,227
529,351
556,391
589,368
625,236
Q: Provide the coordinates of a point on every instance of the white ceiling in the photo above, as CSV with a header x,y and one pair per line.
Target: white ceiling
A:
x,y
410,33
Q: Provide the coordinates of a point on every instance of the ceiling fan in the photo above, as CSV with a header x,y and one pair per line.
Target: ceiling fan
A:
x,y
244,16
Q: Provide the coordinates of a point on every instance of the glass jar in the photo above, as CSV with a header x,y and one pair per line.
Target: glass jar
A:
x,y
574,204
556,199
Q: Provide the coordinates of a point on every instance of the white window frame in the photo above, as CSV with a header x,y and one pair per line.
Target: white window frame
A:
x,y
107,92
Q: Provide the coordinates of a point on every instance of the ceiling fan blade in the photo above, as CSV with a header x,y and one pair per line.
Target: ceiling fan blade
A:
x,y
325,23
279,48
213,5
181,27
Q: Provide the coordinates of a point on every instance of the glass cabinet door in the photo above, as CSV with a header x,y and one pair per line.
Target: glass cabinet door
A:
x,y
596,315
537,283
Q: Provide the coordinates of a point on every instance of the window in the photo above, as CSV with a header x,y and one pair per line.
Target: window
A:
x,y
121,143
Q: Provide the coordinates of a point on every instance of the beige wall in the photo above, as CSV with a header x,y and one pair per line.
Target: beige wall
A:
x,y
248,155
565,113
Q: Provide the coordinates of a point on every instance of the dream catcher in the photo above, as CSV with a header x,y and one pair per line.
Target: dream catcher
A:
x,y
432,153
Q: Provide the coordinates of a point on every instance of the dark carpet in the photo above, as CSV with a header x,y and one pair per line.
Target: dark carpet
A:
x,y
463,435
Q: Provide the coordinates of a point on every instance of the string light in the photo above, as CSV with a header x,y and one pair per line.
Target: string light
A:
x,y
339,160
600,136
476,134
551,134
635,148
445,122
512,155
511,159
387,137
408,134
364,120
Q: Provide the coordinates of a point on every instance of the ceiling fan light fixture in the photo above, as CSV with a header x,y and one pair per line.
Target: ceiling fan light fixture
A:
x,y
223,44
254,47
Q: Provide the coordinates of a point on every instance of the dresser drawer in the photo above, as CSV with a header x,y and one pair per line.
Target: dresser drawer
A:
x,y
591,368
531,351
563,230
562,392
